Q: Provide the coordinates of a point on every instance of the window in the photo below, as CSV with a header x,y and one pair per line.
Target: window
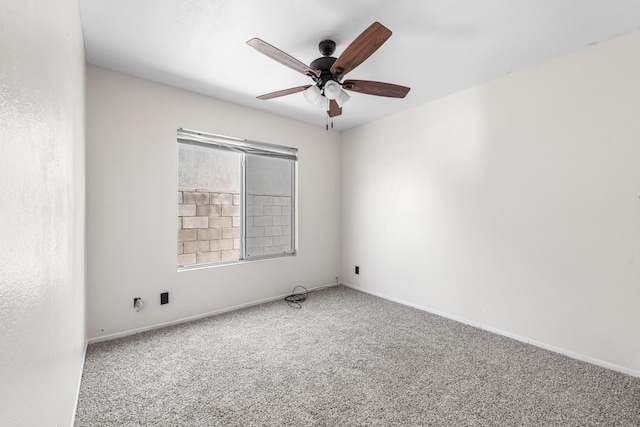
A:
x,y
236,199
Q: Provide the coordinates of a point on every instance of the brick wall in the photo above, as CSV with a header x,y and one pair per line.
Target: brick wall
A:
x,y
209,225
268,224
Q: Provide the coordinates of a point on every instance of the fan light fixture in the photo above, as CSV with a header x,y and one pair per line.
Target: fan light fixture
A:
x,y
322,102
312,93
332,89
342,98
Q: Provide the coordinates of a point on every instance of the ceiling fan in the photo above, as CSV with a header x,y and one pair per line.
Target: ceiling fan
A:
x,y
327,72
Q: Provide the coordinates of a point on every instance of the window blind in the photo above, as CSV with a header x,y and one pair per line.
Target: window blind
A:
x,y
203,139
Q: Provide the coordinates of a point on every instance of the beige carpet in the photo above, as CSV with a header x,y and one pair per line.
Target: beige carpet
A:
x,y
344,359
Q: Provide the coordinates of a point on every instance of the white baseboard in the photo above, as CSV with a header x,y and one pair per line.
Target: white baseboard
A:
x,y
540,344
75,406
196,317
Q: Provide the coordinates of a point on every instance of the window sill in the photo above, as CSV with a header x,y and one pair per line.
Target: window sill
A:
x,y
183,268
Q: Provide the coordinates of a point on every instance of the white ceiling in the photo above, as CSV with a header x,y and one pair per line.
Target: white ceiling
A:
x,y
438,47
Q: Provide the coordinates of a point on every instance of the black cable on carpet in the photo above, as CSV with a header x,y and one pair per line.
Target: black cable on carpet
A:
x,y
296,299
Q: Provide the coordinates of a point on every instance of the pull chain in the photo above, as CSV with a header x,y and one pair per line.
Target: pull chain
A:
x,y
326,126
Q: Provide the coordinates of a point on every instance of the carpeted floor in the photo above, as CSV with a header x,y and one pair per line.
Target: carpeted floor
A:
x,y
344,359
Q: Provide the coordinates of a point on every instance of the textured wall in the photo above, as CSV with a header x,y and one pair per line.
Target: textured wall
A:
x,y
41,211
513,204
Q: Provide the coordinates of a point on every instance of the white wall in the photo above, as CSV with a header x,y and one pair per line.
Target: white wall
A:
x,y
131,205
42,74
514,204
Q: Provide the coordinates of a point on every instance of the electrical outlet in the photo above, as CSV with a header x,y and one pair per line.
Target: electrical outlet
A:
x,y
164,298
357,270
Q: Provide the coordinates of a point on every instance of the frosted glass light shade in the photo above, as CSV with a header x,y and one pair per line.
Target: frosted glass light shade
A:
x,y
311,93
342,98
322,102
332,89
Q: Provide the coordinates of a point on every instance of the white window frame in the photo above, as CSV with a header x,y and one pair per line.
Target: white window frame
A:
x,y
246,147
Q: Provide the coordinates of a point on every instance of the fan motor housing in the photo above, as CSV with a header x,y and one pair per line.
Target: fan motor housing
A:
x,y
327,47
324,66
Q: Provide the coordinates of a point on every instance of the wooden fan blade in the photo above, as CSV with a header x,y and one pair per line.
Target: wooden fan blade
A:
x,y
376,88
360,49
282,57
334,108
283,92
